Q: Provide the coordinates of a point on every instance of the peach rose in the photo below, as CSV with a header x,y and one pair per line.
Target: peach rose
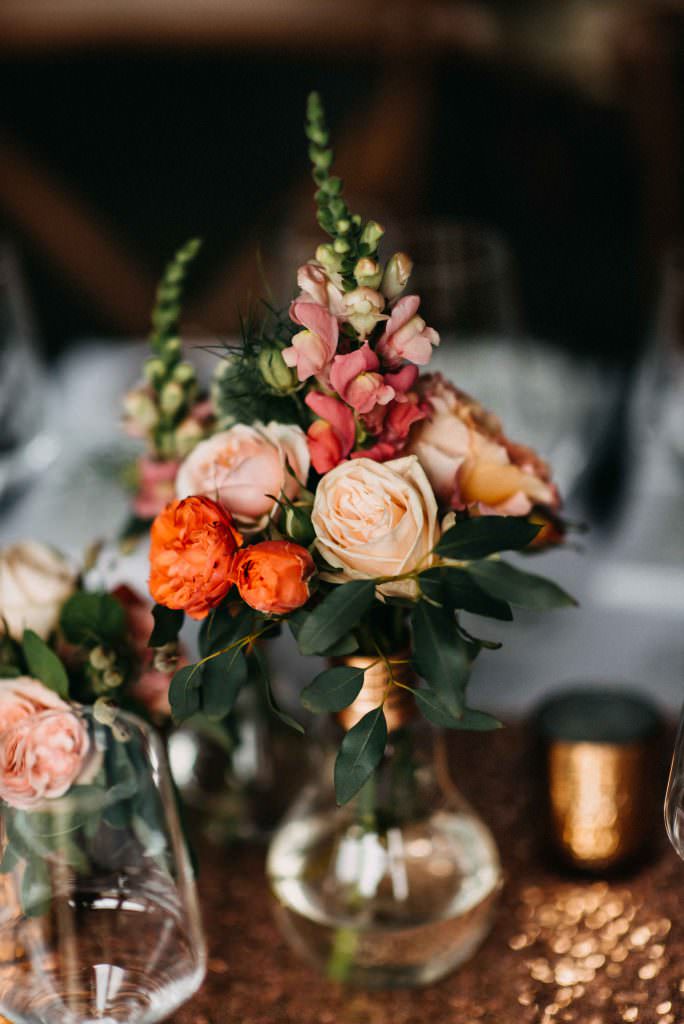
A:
x,y
44,746
273,576
35,582
240,467
470,462
376,519
192,549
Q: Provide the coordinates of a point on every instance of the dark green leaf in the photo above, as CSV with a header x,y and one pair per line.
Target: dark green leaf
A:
x,y
485,535
464,593
360,754
91,618
272,703
335,616
433,709
333,689
221,629
222,679
478,721
346,645
184,694
167,625
10,672
439,655
44,664
36,890
519,588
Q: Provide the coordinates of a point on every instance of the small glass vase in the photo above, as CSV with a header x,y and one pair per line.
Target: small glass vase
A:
x,y
398,887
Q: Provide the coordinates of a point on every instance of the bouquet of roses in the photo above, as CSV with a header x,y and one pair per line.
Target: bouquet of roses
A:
x,y
345,493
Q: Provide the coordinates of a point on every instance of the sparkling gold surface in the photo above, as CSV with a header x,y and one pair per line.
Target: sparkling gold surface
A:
x,y
563,948
399,703
600,800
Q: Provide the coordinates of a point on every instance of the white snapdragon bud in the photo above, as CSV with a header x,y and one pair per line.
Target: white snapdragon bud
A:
x,y
363,309
372,233
172,398
141,409
367,272
105,711
397,273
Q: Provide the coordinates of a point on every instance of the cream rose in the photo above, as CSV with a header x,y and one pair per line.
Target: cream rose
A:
x,y
35,582
242,466
376,519
44,746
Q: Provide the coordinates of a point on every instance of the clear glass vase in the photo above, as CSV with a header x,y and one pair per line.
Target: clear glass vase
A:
x,y
398,887
674,798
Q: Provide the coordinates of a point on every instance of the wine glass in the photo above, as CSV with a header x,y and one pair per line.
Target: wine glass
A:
x,y
99,919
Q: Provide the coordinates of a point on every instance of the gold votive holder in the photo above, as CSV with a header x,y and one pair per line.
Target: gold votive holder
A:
x,y
601,775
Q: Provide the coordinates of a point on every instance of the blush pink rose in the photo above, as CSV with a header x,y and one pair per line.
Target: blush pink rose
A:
x,y
406,335
245,468
44,746
355,378
332,436
312,350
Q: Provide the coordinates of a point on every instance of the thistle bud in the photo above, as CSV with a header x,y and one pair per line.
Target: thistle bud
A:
x,y
100,659
105,711
111,679
397,273
184,373
274,370
372,233
172,398
367,273
154,370
298,525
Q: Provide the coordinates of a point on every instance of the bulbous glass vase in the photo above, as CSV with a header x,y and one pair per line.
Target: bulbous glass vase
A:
x,y
398,887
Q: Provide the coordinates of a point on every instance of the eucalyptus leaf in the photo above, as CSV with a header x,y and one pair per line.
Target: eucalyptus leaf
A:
x,y
346,645
270,699
360,754
91,618
221,629
440,655
523,589
335,616
184,696
222,679
167,625
333,689
44,664
485,535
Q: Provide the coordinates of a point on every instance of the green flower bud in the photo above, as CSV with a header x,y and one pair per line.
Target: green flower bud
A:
x,y
185,373
140,407
188,434
172,398
105,711
343,225
326,255
112,679
367,273
321,158
298,524
273,368
172,349
397,273
100,659
341,246
372,233
154,370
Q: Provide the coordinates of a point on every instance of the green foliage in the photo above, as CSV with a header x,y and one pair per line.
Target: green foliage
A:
x,y
90,618
360,754
486,535
454,588
523,589
168,305
43,664
338,613
440,655
167,625
222,679
184,693
260,661
333,689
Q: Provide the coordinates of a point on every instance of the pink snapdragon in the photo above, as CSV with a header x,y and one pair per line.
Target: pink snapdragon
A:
x,y
312,349
332,436
406,335
355,378
316,286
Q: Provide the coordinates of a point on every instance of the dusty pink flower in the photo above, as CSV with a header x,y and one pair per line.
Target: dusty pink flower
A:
x,y
312,349
44,745
156,485
317,287
393,430
355,378
406,335
332,436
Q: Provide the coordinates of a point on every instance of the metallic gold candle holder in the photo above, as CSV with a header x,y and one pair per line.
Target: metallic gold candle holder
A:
x,y
601,775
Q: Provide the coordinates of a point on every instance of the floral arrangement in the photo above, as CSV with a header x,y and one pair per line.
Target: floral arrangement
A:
x,y
342,492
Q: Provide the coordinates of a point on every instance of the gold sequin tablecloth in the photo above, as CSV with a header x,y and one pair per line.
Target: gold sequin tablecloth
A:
x,y
563,948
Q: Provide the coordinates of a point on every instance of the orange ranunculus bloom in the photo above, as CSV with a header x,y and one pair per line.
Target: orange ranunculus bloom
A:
x,y
192,555
273,576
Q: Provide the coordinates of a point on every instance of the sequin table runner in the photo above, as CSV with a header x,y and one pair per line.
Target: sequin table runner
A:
x,y
563,948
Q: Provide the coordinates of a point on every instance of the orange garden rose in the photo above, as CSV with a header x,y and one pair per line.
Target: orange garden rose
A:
x,y
192,555
273,576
